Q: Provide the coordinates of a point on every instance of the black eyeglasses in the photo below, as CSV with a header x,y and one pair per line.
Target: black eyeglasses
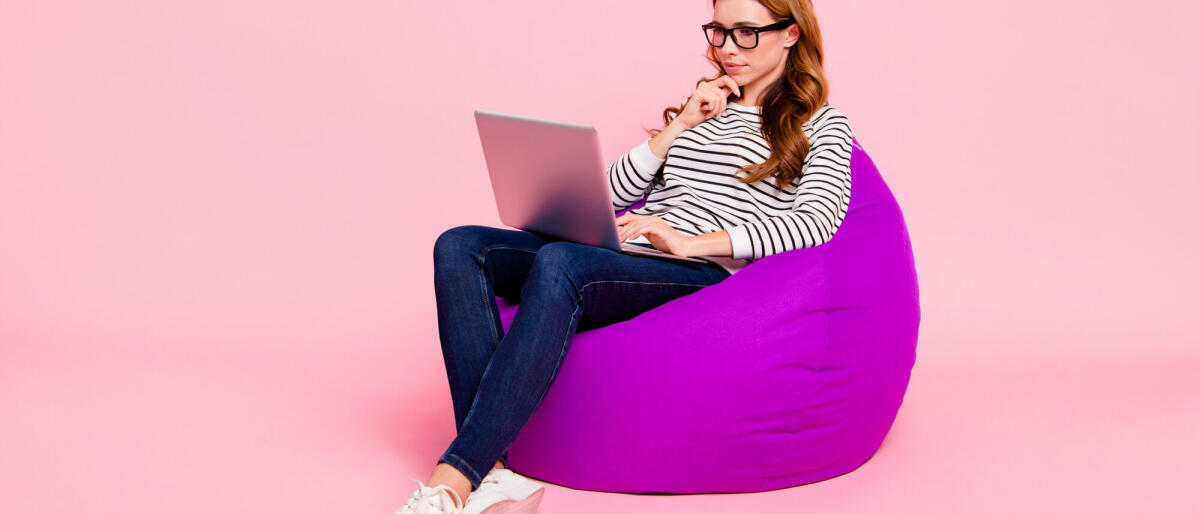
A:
x,y
745,37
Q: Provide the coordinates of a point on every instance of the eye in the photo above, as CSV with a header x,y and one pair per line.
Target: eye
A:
x,y
744,34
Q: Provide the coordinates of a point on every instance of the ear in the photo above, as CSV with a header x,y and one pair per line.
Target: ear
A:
x,y
793,35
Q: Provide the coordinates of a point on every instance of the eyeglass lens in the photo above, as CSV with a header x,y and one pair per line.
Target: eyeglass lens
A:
x,y
744,38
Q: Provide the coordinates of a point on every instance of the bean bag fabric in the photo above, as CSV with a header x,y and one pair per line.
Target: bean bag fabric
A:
x,y
788,372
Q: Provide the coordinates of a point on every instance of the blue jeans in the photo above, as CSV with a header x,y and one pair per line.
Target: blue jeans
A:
x,y
497,379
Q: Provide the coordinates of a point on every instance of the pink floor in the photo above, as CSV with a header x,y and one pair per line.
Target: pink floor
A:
x,y
190,426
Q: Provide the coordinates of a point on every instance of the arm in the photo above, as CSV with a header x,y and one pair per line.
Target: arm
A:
x,y
821,201
631,176
661,142
716,244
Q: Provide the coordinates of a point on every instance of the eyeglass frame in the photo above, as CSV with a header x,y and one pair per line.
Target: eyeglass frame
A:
x,y
727,33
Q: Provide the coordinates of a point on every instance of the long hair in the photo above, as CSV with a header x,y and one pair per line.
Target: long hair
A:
x,y
789,102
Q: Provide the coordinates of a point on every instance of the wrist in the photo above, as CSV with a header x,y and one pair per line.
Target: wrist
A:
x,y
717,244
660,143
677,126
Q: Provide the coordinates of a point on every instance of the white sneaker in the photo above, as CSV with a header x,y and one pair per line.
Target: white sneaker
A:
x,y
432,500
505,492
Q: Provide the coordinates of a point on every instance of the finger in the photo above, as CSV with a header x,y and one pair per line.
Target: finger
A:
x,y
634,230
627,231
732,84
718,87
720,95
653,234
709,106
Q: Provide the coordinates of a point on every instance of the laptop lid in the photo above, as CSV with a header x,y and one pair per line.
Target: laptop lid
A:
x,y
548,177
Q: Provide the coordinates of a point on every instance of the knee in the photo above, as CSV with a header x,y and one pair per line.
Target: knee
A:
x,y
457,241
563,259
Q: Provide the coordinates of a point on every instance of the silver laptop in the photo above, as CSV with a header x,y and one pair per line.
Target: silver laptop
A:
x,y
549,177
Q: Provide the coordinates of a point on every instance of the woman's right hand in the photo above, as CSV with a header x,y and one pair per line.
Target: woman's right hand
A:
x,y
709,100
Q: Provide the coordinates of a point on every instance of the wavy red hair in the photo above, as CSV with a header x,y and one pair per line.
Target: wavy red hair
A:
x,y
789,102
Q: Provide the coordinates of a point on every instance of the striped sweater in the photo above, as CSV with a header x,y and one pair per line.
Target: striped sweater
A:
x,y
695,190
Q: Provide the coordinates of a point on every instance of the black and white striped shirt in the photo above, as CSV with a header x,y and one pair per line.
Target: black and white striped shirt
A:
x,y
695,190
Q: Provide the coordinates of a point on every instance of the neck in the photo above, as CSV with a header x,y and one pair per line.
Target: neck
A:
x,y
751,95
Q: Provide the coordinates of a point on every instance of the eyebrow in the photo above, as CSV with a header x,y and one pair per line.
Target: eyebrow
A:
x,y
738,24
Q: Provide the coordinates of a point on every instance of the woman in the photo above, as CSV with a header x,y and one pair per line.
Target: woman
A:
x,y
728,181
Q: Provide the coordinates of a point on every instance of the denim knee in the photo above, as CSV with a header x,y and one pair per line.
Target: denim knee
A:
x,y
563,257
453,241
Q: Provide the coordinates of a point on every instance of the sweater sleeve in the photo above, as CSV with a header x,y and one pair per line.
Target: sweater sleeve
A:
x,y
632,175
821,201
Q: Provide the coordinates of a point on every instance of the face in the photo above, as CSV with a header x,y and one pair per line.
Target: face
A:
x,y
763,63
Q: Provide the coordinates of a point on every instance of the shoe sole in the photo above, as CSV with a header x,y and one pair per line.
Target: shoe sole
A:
x,y
527,506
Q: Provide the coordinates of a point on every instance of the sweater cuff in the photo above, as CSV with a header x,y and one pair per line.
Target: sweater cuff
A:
x,y
644,160
741,242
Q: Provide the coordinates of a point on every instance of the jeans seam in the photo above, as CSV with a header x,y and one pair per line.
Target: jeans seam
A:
x,y
483,289
639,283
486,250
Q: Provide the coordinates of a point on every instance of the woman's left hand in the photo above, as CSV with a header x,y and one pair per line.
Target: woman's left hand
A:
x,y
661,235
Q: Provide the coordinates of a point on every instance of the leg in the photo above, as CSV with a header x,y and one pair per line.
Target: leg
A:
x,y
472,265
568,285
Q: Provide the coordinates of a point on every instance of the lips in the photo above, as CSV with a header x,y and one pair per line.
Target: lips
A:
x,y
733,67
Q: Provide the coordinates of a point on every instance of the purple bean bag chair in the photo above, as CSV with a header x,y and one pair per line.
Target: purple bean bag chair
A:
x,y
788,372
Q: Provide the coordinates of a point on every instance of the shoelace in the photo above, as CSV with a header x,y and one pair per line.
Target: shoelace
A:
x,y
421,502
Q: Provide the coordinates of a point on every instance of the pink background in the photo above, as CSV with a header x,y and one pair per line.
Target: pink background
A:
x,y
217,220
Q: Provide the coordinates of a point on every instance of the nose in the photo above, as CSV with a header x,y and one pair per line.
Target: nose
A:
x,y
729,47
